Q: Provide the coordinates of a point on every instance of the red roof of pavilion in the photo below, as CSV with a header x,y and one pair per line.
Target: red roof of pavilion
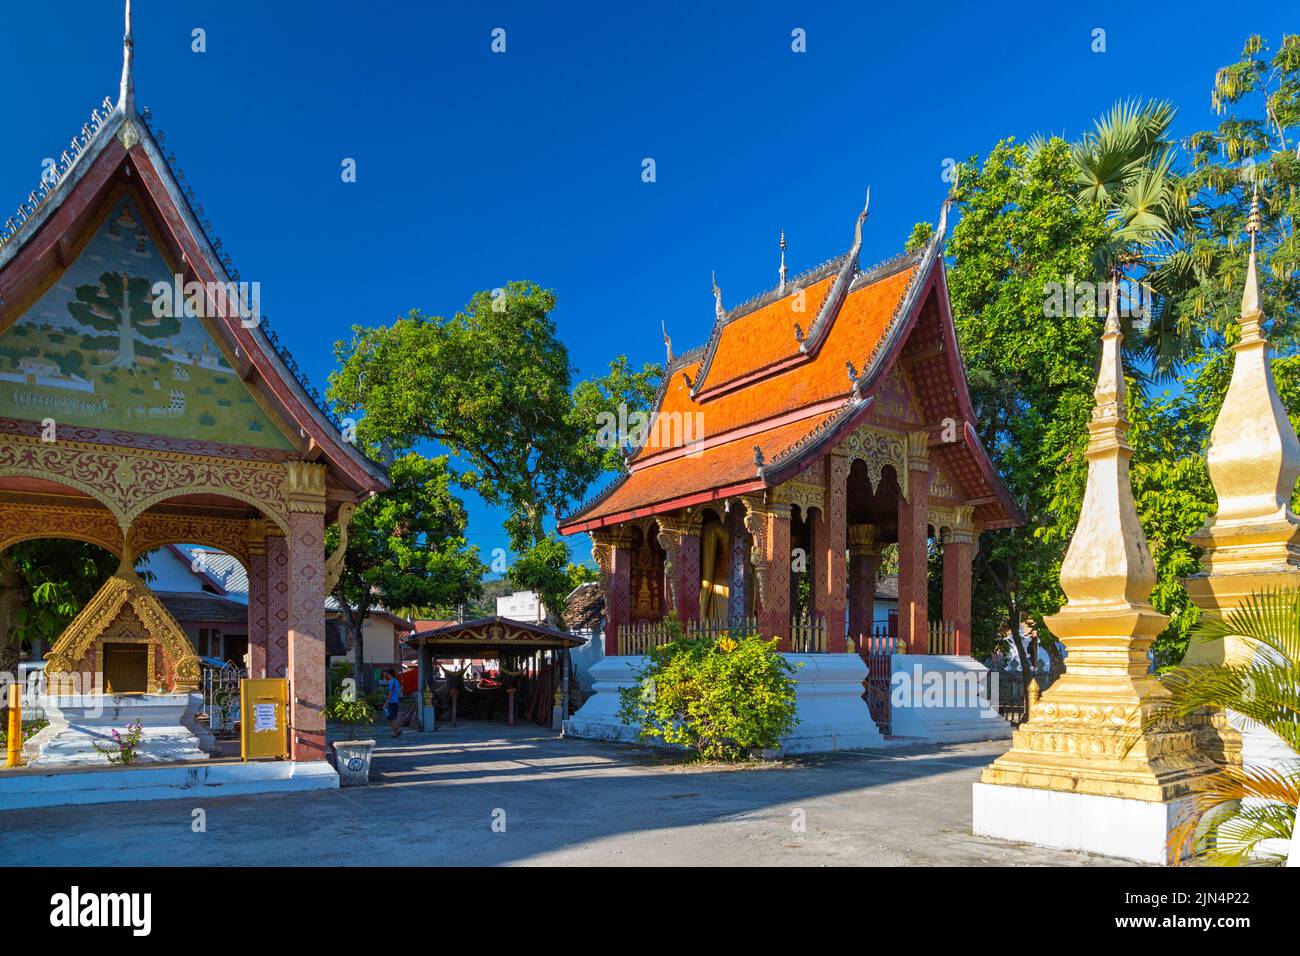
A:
x,y
775,376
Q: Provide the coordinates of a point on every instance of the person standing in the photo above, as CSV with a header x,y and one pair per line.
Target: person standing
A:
x,y
394,687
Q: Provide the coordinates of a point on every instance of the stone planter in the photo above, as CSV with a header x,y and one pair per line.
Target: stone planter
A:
x,y
352,760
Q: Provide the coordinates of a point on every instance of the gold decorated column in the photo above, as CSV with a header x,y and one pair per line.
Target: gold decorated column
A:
x,y
1120,801
1252,542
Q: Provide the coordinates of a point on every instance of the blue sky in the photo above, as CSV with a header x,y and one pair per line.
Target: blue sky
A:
x,y
474,168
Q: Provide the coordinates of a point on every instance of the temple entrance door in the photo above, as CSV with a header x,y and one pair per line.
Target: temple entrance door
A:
x,y
126,668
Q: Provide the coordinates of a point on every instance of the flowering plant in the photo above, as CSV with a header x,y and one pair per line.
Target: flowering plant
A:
x,y
123,748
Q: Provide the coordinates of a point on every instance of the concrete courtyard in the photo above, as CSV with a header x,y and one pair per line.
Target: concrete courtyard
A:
x,y
484,794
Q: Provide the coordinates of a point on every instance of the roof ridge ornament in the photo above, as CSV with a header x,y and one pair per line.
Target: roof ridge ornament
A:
x,y
782,285
857,228
126,96
668,344
718,310
947,202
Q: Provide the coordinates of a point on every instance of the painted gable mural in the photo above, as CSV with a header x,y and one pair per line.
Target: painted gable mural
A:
x,y
92,352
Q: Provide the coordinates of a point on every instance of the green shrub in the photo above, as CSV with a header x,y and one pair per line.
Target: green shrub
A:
x,y
350,712
719,698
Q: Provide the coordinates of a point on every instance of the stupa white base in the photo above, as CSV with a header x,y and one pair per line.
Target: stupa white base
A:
x,y
1111,826
937,698
828,701
80,721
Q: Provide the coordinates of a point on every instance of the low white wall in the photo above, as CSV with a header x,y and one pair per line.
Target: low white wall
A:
x,y
828,700
935,698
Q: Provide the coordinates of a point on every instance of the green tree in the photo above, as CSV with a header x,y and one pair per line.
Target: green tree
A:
x,y
45,584
406,548
493,384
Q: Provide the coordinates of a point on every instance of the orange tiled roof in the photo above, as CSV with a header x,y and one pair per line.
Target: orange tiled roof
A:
x,y
758,384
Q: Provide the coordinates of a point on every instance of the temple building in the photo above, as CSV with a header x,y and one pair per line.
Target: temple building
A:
x,y
821,421
131,424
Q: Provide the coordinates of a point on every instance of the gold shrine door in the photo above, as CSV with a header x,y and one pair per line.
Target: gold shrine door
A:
x,y
126,668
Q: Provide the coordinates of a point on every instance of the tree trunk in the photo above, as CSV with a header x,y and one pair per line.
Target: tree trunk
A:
x,y
11,598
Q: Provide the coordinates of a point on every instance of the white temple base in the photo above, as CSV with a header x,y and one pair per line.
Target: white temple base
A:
x,y
1111,826
597,718
828,701
938,698
80,721
26,789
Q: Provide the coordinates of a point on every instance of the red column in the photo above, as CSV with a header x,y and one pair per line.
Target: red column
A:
x,y
306,659
258,626
829,538
864,563
615,563
688,577
774,617
277,606
958,553
913,616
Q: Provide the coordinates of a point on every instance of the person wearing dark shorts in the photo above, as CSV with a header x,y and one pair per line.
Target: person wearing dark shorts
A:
x,y
394,688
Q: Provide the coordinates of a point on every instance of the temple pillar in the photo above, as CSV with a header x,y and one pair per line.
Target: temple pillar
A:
x,y
306,659
277,604
773,573
913,555
864,565
738,562
258,625
958,555
681,569
829,540
614,559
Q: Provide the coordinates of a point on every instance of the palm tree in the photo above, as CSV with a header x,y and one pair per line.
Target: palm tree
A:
x,y
1244,813
1125,164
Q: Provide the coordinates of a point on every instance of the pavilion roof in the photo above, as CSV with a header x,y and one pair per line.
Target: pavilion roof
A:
x,y
493,634
792,371
120,144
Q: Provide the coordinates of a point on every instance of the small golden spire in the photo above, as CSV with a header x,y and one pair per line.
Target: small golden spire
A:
x,y
1250,296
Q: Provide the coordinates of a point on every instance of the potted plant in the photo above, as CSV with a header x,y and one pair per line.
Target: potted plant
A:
x,y
352,756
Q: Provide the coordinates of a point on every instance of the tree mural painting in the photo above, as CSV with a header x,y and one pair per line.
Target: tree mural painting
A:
x,y
122,306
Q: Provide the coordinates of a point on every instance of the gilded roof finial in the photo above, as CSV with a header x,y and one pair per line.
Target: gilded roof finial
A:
x,y
1250,296
718,310
126,96
783,260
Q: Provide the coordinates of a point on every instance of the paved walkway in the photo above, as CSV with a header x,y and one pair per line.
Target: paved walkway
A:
x,y
560,802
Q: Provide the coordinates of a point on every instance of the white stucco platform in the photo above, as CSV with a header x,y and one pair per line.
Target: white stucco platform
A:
x,y
828,700
21,789
937,699
78,722
1112,826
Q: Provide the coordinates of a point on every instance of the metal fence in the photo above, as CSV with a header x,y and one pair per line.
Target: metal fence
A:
x,y
221,698
1005,689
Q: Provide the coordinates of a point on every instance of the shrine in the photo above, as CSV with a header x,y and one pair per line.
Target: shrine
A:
x,y
834,420
129,425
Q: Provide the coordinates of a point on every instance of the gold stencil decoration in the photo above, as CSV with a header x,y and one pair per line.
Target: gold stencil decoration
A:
x,y
122,605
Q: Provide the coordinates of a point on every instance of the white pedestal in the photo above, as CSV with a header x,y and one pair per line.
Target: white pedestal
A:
x,y
828,701
79,721
937,698
1112,826
597,718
